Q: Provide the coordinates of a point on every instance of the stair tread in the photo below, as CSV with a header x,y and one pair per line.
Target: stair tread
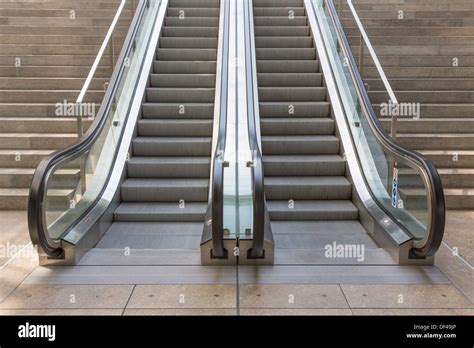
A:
x,y
312,205
165,182
307,180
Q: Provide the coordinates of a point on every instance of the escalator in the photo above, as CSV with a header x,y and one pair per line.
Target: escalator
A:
x,y
331,182
306,185
164,196
144,192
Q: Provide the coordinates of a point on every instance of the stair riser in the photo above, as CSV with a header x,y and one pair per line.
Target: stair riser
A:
x,y
176,129
289,66
55,39
192,22
300,147
440,110
447,161
348,21
431,97
190,32
449,181
278,21
175,42
20,161
164,95
192,12
410,14
159,217
172,149
431,126
286,54
179,111
273,3
294,110
19,50
405,72
62,21
164,67
438,143
284,42
24,181
35,143
64,13
13,202
268,94
30,71
183,80
162,194
302,192
51,84
46,96
423,84
282,31
194,3
168,170
304,169
313,216
323,127
41,126
185,54
290,80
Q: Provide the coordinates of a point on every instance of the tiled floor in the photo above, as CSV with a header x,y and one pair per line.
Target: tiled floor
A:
x,y
26,289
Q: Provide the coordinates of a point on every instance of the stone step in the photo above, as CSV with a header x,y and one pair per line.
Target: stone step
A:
x,y
21,178
22,158
35,141
41,125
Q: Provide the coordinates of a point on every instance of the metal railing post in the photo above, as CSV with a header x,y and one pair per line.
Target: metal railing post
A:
x,y
112,53
361,55
393,131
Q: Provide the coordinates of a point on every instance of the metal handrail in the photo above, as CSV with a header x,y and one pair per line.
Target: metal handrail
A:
x,y
427,246
217,191
108,40
365,39
36,201
258,192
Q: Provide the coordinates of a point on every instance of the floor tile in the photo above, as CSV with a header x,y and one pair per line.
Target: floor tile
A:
x,y
61,312
405,296
410,311
182,312
297,312
291,296
68,296
183,296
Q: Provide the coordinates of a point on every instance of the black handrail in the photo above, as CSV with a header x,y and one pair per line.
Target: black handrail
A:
x,y
37,226
432,241
258,186
217,192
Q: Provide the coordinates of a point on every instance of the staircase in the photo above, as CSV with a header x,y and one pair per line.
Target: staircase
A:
x,y
307,191
46,51
165,195
419,55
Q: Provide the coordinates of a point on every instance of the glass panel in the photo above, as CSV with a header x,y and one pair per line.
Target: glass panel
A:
x,y
396,184
74,186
